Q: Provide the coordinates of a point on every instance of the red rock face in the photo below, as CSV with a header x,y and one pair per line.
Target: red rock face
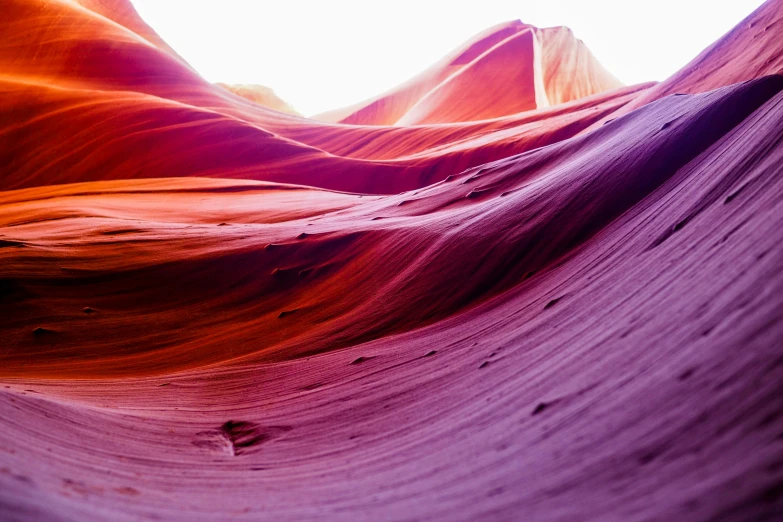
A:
x,y
507,290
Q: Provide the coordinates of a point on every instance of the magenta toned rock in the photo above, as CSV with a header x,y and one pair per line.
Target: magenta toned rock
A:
x,y
560,299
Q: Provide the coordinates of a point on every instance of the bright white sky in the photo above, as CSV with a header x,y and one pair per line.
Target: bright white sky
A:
x,y
325,54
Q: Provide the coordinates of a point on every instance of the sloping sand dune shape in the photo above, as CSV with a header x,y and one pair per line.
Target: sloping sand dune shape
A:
x,y
509,289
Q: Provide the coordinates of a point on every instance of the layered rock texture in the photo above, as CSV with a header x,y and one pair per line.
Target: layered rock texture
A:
x,y
509,289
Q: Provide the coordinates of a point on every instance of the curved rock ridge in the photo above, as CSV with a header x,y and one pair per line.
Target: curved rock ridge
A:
x,y
511,68
260,95
299,261
518,88
510,290
95,90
